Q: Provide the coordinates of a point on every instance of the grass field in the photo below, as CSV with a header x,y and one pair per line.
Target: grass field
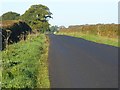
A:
x,y
99,33
25,64
94,38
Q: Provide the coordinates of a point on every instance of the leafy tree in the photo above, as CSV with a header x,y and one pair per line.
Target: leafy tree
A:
x,y
10,16
37,17
54,28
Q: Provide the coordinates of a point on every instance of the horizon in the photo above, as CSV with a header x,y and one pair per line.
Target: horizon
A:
x,y
72,12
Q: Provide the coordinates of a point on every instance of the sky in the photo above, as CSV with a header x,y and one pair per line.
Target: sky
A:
x,y
69,12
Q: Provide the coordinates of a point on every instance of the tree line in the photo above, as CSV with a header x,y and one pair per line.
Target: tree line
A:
x,y
36,17
14,26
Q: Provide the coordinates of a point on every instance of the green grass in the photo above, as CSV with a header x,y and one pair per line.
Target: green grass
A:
x,y
0,76
25,63
94,38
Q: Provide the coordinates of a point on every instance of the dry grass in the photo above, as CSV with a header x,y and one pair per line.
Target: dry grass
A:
x,y
108,30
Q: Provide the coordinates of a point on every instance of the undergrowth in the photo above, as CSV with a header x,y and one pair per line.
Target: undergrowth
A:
x,y
25,63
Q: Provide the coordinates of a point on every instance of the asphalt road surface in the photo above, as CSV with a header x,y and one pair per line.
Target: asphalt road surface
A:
x,y
78,63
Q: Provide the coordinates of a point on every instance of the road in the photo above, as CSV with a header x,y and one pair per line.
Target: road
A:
x,y
78,63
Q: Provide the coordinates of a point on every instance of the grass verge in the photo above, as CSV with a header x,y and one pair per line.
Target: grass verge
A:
x,y
94,38
25,64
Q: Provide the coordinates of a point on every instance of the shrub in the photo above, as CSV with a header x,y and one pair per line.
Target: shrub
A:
x,y
13,31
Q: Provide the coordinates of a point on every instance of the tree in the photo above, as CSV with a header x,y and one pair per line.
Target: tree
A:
x,y
10,16
53,29
37,17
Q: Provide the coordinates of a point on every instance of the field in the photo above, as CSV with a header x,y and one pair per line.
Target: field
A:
x,y
25,63
104,34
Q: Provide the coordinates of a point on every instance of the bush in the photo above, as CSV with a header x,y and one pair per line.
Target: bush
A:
x,y
13,31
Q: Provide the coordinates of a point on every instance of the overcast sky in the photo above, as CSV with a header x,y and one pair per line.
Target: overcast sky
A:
x,y
69,12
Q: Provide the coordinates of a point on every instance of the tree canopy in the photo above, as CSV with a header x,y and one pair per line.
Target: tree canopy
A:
x,y
37,17
10,16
